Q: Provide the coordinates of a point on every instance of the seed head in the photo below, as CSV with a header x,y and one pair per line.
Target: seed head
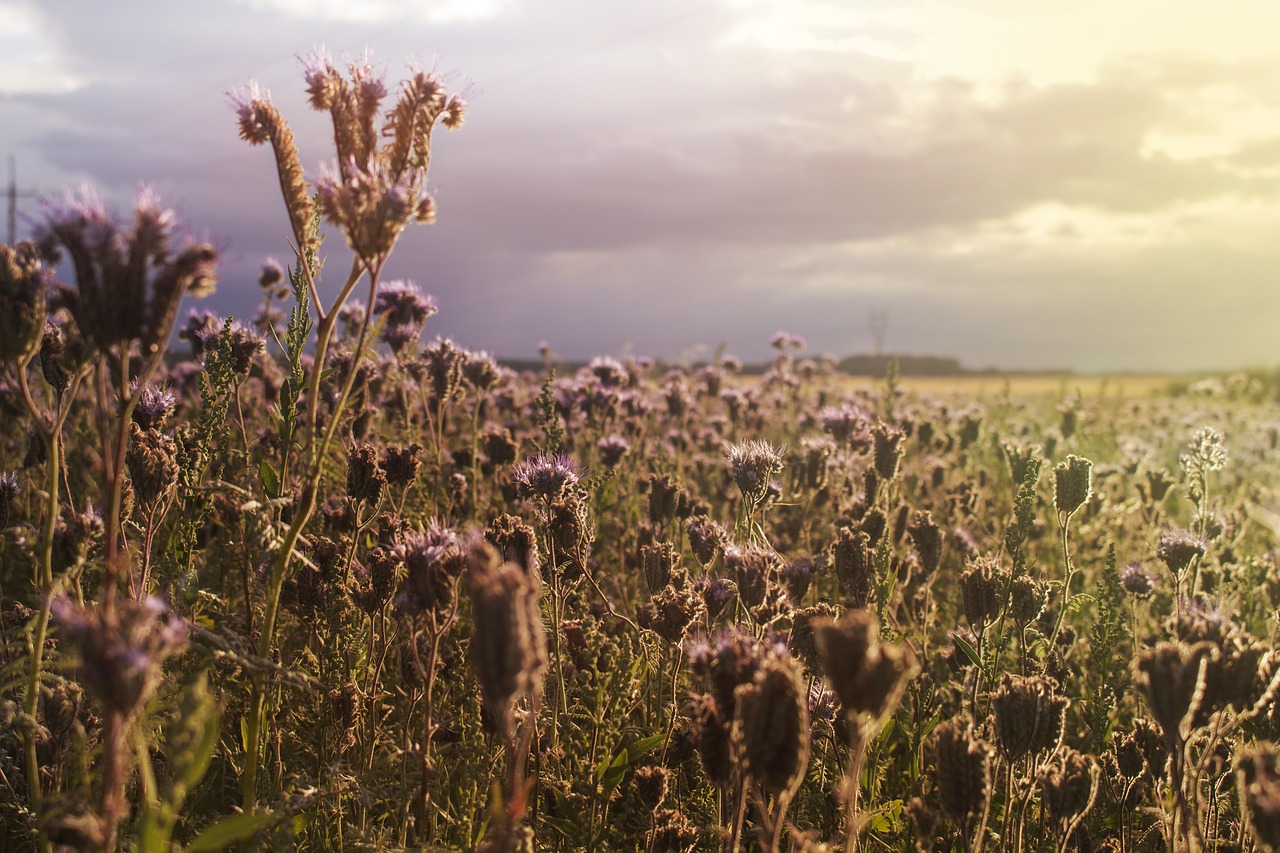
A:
x,y
753,465
508,644
1259,773
1170,677
868,676
1177,548
1029,716
122,650
962,765
23,280
1072,483
771,725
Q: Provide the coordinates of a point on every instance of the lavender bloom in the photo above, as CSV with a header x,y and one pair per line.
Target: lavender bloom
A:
x,y
1137,580
129,278
407,310
122,650
154,407
546,476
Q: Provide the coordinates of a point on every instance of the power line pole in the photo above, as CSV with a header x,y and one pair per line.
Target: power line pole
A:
x,y
13,199
13,196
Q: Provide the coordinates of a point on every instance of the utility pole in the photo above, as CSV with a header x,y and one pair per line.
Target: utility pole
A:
x,y
13,199
13,195
879,321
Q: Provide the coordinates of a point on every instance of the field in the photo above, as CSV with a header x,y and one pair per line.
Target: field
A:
x,y
418,601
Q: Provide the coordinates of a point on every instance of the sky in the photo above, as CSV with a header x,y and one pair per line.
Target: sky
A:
x,y
1020,184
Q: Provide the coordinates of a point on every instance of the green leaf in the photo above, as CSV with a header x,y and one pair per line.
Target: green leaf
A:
x,y
228,831
642,746
270,479
967,648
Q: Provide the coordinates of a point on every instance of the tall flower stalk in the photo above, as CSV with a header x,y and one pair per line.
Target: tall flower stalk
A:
x,y
371,194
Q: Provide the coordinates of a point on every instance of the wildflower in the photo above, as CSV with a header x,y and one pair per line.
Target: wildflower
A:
x,y
982,587
851,557
1029,716
481,371
152,459
365,476
546,476
847,423
1028,598
129,280
444,361
260,121
887,450
771,725
652,784
401,464
868,676
1170,676
154,407
1177,548
675,608
52,358
1070,786
962,769
406,309
508,645
1137,580
927,536
1072,483
122,650
22,307
612,449
754,570
1259,770
706,537
753,465
272,276
434,559
516,542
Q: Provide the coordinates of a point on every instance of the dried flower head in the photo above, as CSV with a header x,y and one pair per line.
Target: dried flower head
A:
x,y
771,725
22,308
1259,772
130,278
1029,716
867,675
9,489
122,649
1177,548
1072,483
962,769
508,644
1170,678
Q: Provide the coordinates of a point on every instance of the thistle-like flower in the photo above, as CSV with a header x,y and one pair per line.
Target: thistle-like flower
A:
x,y
129,279
123,649
753,465
406,309
1072,484
546,476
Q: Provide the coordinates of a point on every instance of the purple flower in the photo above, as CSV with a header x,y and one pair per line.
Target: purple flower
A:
x,y
407,310
546,476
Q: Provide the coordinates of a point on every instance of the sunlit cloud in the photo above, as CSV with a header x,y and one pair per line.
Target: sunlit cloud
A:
x,y
383,11
32,62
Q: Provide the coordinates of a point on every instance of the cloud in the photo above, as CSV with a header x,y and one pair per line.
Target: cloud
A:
x,y
32,59
676,183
